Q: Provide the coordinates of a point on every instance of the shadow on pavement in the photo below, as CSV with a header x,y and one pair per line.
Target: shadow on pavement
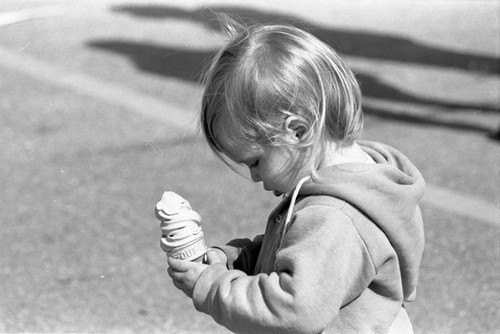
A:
x,y
188,64
354,43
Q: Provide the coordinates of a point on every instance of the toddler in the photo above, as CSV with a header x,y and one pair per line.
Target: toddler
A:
x,y
341,252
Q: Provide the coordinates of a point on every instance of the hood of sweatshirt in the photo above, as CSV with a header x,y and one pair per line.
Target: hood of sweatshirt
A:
x,y
388,192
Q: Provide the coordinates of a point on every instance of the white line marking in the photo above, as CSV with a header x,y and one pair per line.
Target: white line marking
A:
x,y
463,205
438,197
142,104
31,14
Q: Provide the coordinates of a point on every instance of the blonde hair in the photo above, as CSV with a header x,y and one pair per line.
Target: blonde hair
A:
x,y
266,73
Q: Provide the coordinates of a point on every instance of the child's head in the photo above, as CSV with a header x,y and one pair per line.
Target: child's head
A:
x,y
272,77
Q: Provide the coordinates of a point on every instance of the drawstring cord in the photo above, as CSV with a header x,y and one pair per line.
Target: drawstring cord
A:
x,y
290,209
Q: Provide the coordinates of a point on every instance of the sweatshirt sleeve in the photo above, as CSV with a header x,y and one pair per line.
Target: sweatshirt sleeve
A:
x,y
322,265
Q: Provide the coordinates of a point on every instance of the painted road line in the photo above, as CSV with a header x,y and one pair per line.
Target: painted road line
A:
x,y
31,14
463,205
148,106
114,94
132,100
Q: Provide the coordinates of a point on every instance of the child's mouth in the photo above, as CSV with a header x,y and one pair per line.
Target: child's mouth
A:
x,y
275,192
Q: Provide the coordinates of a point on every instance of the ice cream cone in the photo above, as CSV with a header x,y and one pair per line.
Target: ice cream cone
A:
x,y
182,236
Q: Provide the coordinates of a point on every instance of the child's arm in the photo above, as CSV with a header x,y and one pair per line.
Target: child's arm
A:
x,y
237,254
322,266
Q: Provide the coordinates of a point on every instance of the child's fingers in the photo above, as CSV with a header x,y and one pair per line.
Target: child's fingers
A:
x,y
215,256
212,257
179,285
177,275
181,281
171,272
179,265
178,278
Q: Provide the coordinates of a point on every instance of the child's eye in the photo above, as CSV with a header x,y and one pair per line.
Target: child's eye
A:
x,y
255,163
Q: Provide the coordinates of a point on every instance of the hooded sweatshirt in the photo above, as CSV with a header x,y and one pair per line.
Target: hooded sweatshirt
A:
x,y
344,261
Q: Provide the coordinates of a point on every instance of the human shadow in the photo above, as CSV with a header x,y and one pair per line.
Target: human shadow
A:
x,y
355,43
188,64
157,59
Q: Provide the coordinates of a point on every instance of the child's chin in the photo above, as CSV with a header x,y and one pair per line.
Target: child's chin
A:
x,y
277,193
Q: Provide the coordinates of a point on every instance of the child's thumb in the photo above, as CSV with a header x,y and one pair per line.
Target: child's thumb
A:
x,y
215,256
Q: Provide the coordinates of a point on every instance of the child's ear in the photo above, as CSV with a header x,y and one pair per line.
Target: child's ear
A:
x,y
294,128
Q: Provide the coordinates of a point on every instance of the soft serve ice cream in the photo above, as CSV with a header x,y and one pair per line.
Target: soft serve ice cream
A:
x,y
182,237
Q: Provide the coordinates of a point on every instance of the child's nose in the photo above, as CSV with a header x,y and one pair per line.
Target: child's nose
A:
x,y
254,175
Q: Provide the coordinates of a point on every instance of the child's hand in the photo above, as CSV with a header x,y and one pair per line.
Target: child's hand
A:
x,y
184,274
216,255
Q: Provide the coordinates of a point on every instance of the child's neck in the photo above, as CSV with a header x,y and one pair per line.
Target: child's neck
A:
x,y
335,155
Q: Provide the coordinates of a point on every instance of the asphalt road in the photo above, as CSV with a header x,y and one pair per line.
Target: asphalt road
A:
x,y
97,107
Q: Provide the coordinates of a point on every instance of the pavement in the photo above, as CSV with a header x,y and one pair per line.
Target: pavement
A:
x,y
97,118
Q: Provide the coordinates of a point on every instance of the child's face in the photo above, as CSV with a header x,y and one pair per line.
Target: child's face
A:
x,y
278,167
